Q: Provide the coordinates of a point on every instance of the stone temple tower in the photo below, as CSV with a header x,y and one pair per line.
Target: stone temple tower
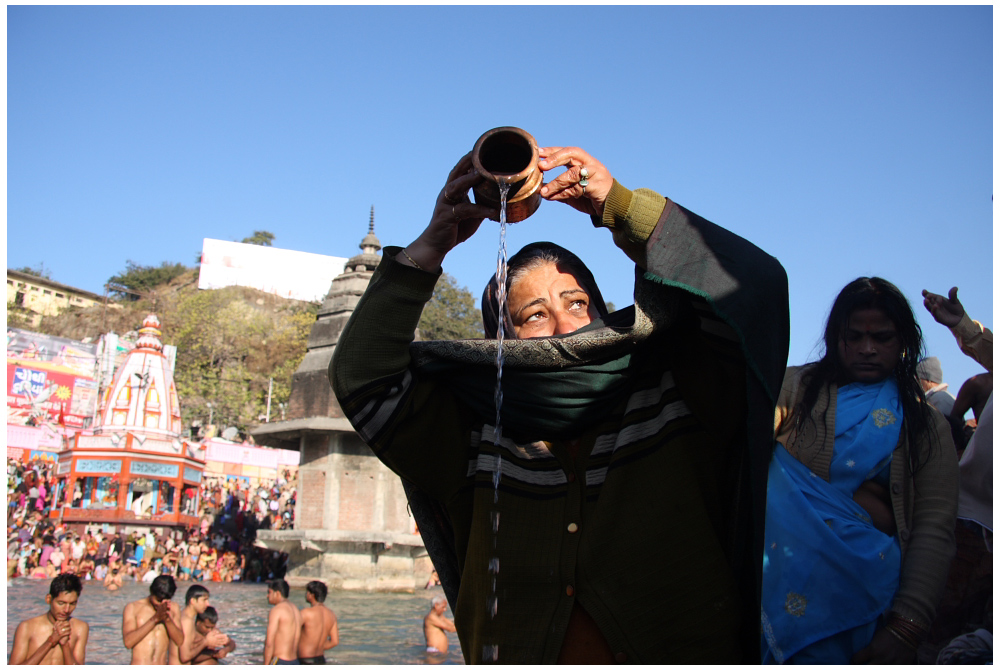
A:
x,y
352,529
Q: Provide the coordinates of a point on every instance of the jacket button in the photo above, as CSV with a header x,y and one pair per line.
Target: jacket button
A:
x,y
621,657
572,528
896,488
569,589
904,534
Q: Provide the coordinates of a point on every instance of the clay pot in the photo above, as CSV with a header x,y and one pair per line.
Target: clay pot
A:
x,y
508,155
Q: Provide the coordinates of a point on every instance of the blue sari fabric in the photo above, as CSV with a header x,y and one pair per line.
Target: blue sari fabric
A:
x,y
827,569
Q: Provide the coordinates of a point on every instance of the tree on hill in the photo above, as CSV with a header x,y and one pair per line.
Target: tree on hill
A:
x,y
263,238
451,313
229,347
230,343
137,279
39,271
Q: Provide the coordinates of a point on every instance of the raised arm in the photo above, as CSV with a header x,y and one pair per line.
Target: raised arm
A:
x,y
454,220
190,650
975,340
132,633
76,654
226,649
746,287
443,622
172,621
22,635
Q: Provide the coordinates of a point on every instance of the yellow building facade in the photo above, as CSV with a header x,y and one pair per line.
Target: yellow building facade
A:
x,y
45,297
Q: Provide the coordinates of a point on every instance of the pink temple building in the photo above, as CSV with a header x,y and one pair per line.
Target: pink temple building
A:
x,y
133,467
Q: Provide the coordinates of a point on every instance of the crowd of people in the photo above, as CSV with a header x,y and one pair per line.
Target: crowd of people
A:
x,y
30,486
239,504
220,549
39,548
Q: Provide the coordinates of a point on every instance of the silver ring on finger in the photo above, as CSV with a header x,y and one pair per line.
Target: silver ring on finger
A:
x,y
453,214
584,177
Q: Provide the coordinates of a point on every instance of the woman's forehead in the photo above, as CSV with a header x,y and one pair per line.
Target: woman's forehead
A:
x,y
546,275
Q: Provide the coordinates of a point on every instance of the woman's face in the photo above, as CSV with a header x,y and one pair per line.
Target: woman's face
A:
x,y
870,346
547,301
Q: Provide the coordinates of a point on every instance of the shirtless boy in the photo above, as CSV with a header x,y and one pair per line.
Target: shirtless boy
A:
x,y
151,624
284,624
435,624
207,643
54,638
319,626
195,602
113,580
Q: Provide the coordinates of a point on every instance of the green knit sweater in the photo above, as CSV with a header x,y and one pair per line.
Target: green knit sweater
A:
x,y
651,517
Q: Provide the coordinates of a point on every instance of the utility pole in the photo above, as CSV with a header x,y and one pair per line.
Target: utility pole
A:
x,y
270,385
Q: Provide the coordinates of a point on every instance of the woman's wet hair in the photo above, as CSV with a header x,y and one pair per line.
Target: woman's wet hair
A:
x,y
318,589
65,583
163,587
875,293
530,258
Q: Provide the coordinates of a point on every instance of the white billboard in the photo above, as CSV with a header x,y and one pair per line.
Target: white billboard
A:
x,y
290,274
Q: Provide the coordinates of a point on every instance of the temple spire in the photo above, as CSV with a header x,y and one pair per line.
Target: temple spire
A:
x,y
369,257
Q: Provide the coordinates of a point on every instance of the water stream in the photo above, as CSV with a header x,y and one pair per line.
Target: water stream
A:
x,y
375,628
491,652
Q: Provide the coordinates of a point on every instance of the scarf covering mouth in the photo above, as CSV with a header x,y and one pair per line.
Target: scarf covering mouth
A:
x,y
553,387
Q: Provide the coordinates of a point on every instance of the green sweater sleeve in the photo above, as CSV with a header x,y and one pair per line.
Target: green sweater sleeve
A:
x,y
391,306
390,406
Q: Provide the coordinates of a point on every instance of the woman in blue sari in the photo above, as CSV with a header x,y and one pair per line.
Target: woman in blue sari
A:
x,y
862,494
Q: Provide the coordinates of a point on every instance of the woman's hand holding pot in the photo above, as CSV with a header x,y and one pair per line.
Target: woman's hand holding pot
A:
x,y
455,219
584,191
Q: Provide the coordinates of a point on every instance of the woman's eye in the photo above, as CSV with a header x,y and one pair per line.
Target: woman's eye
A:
x,y
578,305
534,317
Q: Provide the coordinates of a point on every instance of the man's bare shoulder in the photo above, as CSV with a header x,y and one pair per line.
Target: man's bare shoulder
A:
x,y
137,605
278,612
33,624
79,625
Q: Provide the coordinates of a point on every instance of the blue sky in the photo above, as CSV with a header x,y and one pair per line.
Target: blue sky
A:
x,y
845,141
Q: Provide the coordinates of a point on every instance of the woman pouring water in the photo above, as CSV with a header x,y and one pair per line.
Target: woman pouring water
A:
x,y
626,523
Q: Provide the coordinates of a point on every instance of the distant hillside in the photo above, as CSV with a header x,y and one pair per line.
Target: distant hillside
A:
x,y
229,341
232,341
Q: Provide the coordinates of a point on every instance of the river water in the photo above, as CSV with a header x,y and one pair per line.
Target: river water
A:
x,y
375,628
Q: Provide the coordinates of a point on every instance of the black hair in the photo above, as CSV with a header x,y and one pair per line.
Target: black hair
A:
x,y
875,293
318,589
65,583
196,591
531,256
209,615
279,585
163,587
